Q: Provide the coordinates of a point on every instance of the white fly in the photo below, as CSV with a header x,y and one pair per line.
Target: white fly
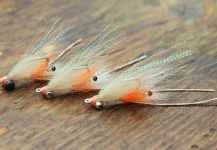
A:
x,y
161,82
36,63
80,72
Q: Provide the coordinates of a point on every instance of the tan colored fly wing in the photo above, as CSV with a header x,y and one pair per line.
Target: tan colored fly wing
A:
x,y
71,80
82,80
117,90
29,70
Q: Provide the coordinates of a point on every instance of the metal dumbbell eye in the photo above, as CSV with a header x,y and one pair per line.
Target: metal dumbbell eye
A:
x,y
49,95
9,85
98,106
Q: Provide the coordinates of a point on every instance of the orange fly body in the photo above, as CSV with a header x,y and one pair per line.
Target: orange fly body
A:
x,y
136,96
82,80
40,73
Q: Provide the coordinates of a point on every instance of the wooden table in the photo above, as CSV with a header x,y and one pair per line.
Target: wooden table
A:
x,y
27,121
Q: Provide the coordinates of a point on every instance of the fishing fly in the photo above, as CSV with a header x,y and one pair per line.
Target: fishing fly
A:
x,y
79,74
38,62
155,82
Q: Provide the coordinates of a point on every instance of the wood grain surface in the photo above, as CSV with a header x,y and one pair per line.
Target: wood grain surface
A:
x,y
28,121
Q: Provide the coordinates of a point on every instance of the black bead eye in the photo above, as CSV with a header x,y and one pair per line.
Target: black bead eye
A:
x,y
53,68
95,78
9,85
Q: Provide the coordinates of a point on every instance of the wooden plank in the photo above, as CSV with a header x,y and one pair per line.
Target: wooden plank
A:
x,y
27,121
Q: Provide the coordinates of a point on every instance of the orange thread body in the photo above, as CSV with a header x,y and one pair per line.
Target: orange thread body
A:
x,y
82,81
40,72
136,96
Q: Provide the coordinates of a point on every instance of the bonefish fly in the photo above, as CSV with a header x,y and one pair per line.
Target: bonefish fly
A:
x,y
38,62
79,74
156,83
